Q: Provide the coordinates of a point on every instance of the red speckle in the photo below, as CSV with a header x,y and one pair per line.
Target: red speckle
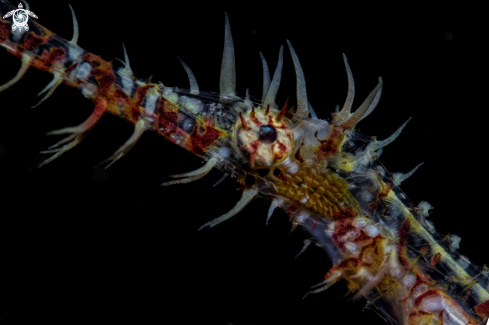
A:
x,y
344,215
92,58
344,220
385,190
404,231
71,68
49,57
119,93
428,293
419,313
331,145
167,118
298,155
373,205
252,113
278,173
141,93
105,78
362,237
270,119
289,115
435,259
202,140
482,309
244,125
32,41
440,316
403,237
314,224
168,121
252,149
424,250
278,154
255,120
292,209
133,111
419,280
282,112
4,30
349,264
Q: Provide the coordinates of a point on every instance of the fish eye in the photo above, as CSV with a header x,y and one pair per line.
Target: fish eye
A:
x,y
267,134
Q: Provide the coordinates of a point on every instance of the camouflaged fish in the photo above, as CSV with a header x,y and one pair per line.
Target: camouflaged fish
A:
x,y
324,174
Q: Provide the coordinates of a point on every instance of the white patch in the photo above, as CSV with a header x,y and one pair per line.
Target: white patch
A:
x,y
389,248
432,304
176,138
17,35
351,247
408,280
89,91
264,153
420,290
330,230
304,200
372,230
127,82
351,235
170,95
83,71
291,166
74,52
395,272
192,105
360,223
224,152
301,217
151,98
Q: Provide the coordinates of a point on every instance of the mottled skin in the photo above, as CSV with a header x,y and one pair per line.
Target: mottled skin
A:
x,y
316,184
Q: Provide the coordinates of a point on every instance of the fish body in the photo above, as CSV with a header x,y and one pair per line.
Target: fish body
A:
x,y
334,138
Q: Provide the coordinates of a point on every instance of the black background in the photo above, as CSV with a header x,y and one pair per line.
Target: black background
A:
x,y
83,245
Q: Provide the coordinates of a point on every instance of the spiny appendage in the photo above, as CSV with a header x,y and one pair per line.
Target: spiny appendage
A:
x,y
398,178
247,196
275,84
78,133
366,108
126,74
318,190
345,112
266,76
193,175
26,61
58,76
331,278
344,118
307,242
139,129
227,82
145,121
302,102
380,144
194,87
273,206
221,179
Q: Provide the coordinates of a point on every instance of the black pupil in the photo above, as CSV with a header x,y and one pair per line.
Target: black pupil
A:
x,y
267,134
